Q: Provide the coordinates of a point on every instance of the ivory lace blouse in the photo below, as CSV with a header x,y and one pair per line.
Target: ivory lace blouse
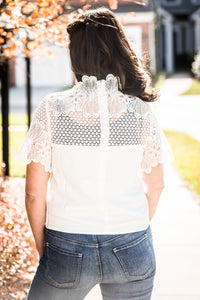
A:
x,y
94,140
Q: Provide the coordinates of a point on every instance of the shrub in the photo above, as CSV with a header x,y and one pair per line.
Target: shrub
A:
x,y
18,256
196,66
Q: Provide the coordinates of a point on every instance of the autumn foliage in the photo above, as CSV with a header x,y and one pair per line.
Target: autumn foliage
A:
x,y
26,25
18,259
30,26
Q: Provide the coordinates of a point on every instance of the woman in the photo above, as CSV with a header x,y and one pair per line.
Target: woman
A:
x,y
100,148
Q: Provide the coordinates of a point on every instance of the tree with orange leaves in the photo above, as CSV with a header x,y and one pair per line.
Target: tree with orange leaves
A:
x,y
26,24
24,27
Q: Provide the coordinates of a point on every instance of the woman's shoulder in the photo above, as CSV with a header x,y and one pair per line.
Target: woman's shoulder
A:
x,y
54,100
139,107
53,103
58,96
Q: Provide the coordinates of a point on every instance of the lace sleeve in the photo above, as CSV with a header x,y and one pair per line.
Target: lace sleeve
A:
x,y
37,144
156,148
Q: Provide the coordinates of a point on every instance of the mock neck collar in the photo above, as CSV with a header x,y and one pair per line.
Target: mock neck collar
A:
x,y
90,84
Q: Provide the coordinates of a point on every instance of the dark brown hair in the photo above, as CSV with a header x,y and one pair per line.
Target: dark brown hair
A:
x,y
98,47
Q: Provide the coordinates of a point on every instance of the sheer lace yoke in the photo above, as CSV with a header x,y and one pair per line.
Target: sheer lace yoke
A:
x,y
93,113
90,98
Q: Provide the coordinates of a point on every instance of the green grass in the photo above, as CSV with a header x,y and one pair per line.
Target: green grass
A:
x,y
16,119
186,152
194,89
158,79
16,139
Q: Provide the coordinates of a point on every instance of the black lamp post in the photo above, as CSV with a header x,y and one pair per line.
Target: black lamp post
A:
x,y
4,77
28,89
5,112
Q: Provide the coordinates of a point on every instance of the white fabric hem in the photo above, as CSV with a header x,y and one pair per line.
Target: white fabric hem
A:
x,y
98,229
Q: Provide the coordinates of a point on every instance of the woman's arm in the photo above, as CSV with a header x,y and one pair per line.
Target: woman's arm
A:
x,y
153,186
36,191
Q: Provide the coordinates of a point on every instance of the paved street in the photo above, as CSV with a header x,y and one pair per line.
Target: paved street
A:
x,y
17,97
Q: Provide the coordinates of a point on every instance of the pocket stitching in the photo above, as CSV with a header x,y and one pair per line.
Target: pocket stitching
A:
x,y
64,285
63,251
152,266
135,243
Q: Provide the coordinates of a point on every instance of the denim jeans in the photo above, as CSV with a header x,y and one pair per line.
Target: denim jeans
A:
x,y
72,264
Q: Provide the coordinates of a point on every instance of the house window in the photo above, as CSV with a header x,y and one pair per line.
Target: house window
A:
x,y
195,2
173,2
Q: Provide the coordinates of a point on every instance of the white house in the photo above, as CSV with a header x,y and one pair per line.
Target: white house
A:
x,y
178,33
56,71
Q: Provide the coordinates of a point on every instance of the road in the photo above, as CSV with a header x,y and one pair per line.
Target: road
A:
x,y
17,97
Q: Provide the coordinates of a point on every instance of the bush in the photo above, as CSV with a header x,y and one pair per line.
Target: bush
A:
x,y
18,256
196,66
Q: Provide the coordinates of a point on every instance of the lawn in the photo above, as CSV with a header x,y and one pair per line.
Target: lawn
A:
x,y
186,151
16,139
16,119
194,89
159,79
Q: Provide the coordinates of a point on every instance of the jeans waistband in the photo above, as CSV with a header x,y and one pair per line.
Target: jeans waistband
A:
x,y
91,239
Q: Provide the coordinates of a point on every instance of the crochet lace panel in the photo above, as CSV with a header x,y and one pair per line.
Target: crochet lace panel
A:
x,y
92,113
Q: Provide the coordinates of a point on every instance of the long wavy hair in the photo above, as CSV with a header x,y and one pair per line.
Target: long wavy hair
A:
x,y
98,46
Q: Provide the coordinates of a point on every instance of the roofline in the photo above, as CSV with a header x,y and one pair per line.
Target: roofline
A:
x,y
195,15
141,17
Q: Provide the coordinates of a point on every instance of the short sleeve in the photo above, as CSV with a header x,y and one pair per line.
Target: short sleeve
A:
x,y
155,145
37,144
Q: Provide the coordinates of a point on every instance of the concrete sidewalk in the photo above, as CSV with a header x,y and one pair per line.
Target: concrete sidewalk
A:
x,y
176,111
176,233
176,225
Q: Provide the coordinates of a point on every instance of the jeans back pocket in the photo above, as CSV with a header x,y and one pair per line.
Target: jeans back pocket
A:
x,y
62,268
137,258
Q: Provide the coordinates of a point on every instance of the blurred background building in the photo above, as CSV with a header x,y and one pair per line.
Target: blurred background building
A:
x,y
167,30
178,33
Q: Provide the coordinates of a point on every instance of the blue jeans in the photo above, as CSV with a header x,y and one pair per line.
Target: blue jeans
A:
x,y
72,264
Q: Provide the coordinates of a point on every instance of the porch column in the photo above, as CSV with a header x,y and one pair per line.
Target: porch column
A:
x,y
197,34
169,59
189,39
